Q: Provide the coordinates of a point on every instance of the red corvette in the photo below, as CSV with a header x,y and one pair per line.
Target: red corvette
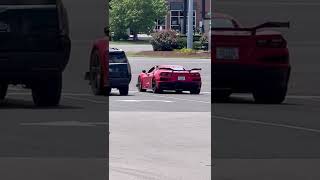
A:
x,y
170,77
249,60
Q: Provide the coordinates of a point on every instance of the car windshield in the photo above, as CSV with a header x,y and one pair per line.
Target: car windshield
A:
x,y
222,23
117,57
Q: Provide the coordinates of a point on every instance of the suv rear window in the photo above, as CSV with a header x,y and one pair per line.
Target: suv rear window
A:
x,y
118,57
222,23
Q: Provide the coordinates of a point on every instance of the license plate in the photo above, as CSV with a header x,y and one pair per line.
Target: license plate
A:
x,y
227,53
181,78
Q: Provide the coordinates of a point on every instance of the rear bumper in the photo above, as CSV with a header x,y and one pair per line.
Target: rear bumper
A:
x,y
246,78
178,85
118,82
17,65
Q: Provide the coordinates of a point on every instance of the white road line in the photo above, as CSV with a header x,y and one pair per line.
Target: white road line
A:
x,y
182,99
88,100
136,100
267,124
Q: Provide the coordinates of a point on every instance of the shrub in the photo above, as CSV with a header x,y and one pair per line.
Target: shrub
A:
x,y
186,51
120,36
181,42
197,45
164,41
204,41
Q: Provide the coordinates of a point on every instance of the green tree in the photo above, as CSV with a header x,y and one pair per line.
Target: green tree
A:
x,y
138,15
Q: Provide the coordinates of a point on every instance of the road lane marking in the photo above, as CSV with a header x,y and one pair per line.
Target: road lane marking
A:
x,y
136,100
66,123
88,100
267,124
183,99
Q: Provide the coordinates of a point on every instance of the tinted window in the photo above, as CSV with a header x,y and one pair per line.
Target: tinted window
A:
x,y
222,23
117,58
150,71
114,68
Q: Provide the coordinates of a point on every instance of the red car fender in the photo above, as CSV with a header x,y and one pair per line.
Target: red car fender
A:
x,y
141,76
102,46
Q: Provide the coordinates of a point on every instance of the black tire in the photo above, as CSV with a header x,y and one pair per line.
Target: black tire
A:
x,y
179,91
221,95
109,91
270,96
155,88
124,91
3,90
195,91
96,80
47,92
139,86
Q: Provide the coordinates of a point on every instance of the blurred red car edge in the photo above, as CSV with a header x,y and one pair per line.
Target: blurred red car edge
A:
x,y
249,60
98,66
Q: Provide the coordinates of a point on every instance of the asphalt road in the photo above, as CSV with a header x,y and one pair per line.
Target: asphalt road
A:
x,y
68,142
252,141
163,136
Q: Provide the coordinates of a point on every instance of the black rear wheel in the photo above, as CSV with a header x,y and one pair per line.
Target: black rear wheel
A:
x,y
270,96
124,91
3,90
155,87
221,95
47,92
195,91
96,80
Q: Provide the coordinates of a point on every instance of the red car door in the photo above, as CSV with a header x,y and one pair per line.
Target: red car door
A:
x,y
149,78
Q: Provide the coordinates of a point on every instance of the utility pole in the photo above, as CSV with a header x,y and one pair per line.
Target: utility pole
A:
x,y
185,12
190,25
203,14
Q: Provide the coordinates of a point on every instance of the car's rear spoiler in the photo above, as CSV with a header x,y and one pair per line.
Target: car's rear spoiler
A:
x,y
170,69
253,30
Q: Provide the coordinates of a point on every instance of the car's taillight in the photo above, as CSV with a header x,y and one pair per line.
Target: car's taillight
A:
x,y
195,74
271,43
165,74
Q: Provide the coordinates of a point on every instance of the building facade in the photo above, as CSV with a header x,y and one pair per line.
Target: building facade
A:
x,y
175,17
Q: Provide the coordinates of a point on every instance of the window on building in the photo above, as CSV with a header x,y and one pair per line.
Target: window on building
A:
x,y
160,24
176,20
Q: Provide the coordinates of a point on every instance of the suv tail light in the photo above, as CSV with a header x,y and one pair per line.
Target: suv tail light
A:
x,y
271,43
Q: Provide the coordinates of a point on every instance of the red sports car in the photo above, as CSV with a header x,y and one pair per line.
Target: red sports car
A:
x,y
170,77
249,60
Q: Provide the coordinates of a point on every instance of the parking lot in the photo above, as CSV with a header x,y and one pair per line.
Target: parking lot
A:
x,y
161,136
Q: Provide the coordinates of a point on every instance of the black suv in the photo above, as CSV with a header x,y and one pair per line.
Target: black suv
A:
x,y
34,47
119,71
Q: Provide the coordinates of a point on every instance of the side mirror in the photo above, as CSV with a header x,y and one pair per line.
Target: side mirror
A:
x,y
144,71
